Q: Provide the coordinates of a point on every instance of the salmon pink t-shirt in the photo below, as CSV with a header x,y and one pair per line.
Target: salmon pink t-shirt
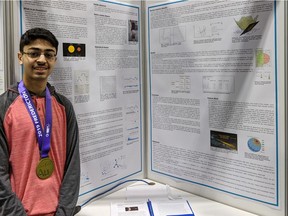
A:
x,y
39,197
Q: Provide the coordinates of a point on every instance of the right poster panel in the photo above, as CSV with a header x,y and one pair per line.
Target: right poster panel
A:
x,y
213,96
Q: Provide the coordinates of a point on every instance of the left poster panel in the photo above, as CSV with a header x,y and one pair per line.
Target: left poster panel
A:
x,y
99,70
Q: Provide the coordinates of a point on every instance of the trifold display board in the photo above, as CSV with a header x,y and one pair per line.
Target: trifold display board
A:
x,y
212,76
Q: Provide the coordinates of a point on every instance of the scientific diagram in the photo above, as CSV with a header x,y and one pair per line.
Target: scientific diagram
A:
x,y
81,86
247,23
172,36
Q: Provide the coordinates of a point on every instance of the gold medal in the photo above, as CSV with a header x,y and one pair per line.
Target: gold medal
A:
x,y
45,168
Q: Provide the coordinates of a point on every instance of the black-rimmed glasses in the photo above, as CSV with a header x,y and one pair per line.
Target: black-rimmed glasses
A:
x,y
50,56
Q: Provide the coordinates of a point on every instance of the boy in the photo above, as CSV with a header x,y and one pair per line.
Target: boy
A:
x,y
39,141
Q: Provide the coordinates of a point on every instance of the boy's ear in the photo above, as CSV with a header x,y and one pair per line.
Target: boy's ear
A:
x,y
20,56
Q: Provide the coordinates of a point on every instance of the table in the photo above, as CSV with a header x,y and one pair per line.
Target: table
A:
x,y
141,191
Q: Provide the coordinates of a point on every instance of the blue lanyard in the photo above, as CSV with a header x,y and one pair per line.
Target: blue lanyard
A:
x,y
43,136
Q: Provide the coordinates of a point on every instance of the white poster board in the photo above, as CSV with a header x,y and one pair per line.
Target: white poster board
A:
x,y
99,70
216,94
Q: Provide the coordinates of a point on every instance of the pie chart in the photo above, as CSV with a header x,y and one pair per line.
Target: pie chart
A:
x,y
254,144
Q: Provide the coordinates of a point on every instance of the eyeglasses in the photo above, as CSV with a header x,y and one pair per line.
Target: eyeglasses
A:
x,y
50,56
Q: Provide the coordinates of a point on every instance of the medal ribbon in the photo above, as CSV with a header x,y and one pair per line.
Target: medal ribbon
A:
x,y
43,136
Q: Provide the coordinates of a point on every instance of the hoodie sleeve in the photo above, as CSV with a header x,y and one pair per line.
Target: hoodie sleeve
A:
x,y
10,205
69,190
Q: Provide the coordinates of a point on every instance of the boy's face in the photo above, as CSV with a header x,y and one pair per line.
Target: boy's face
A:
x,y
38,60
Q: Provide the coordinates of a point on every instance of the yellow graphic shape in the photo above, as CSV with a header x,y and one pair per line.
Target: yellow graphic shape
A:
x,y
244,22
71,49
227,144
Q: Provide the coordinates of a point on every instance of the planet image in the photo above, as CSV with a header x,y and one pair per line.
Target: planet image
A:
x,y
254,144
71,49
74,50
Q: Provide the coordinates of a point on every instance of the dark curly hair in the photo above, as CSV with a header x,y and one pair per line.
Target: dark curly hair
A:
x,y
38,33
